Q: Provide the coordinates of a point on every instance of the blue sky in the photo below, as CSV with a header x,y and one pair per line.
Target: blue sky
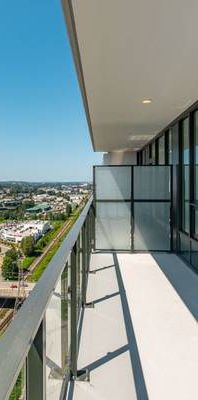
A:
x,y
43,128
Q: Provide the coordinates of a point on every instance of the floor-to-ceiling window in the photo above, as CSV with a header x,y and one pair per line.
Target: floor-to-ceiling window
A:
x,y
170,146
153,153
161,151
185,158
196,172
144,157
147,155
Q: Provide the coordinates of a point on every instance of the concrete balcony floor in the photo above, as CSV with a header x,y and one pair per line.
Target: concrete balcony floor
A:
x,y
140,341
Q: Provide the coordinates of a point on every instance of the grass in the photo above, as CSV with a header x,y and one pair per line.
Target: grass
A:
x,y
48,237
41,244
36,274
27,262
18,388
43,264
3,312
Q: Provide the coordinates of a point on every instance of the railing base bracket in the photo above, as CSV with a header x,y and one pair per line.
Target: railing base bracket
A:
x,y
56,373
89,305
83,375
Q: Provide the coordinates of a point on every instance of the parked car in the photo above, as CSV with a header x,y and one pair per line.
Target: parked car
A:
x,y
13,286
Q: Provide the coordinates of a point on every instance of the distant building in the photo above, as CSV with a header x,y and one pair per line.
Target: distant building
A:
x,y
14,232
39,208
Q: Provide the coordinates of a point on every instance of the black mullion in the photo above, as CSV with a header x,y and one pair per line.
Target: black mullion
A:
x,y
132,209
166,147
156,152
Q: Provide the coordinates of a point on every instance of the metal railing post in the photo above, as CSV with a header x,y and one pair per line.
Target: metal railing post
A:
x,y
74,339
89,238
36,366
79,272
86,245
84,266
92,227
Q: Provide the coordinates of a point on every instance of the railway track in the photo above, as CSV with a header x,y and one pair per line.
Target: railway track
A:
x,y
59,235
5,321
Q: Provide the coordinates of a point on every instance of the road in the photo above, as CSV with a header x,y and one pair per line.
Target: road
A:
x,y
7,291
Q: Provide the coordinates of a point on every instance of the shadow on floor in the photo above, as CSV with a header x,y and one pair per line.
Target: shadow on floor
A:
x,y
108,357
132,344
93,271
107,297
181,277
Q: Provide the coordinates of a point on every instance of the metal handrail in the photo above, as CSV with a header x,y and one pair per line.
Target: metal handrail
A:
x,y
16,342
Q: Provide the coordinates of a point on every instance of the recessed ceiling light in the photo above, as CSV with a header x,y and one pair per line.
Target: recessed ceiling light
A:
x,y
146,101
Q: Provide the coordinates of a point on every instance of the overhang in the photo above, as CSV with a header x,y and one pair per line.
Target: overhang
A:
x,y
128,51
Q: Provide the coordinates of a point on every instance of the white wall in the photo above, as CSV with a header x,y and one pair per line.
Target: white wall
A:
x,y
120,157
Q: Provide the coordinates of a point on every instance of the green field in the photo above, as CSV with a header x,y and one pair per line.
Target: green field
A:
x,y
27,262
36,274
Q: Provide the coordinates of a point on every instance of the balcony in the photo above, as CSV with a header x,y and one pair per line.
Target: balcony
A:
x,y
140,340
105,324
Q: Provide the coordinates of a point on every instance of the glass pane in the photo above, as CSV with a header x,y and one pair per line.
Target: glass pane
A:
x,y
79,282
196,221
152,227
194,253
185,202
170,146
113,183
152,183
81,259
113,226
57,347
161,144
196,170
144,157
147,155
185,175
153,153
19,390
185,246
68,297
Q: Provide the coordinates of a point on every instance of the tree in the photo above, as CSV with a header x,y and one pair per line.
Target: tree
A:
x,y
28,245
68,209
10,265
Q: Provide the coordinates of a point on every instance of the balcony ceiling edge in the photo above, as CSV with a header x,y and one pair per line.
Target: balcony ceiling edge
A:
x,y
71,29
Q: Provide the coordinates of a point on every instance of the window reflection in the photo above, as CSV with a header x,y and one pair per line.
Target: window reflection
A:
x,y
196,169
185,175
162,150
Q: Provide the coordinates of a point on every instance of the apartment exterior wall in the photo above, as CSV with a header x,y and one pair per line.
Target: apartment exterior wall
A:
x,y
177,145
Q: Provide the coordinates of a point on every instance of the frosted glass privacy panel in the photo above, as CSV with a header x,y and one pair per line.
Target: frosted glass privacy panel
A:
x,y
152,227
113,183
113,226
152,183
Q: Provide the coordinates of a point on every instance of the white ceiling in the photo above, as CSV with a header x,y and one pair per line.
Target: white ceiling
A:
x,y
131,50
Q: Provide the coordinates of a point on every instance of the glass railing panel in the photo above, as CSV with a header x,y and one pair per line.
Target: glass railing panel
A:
x,y
152,183
113,183
113,225
57,338
152,226
79,258
69,311
81,267
19,390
